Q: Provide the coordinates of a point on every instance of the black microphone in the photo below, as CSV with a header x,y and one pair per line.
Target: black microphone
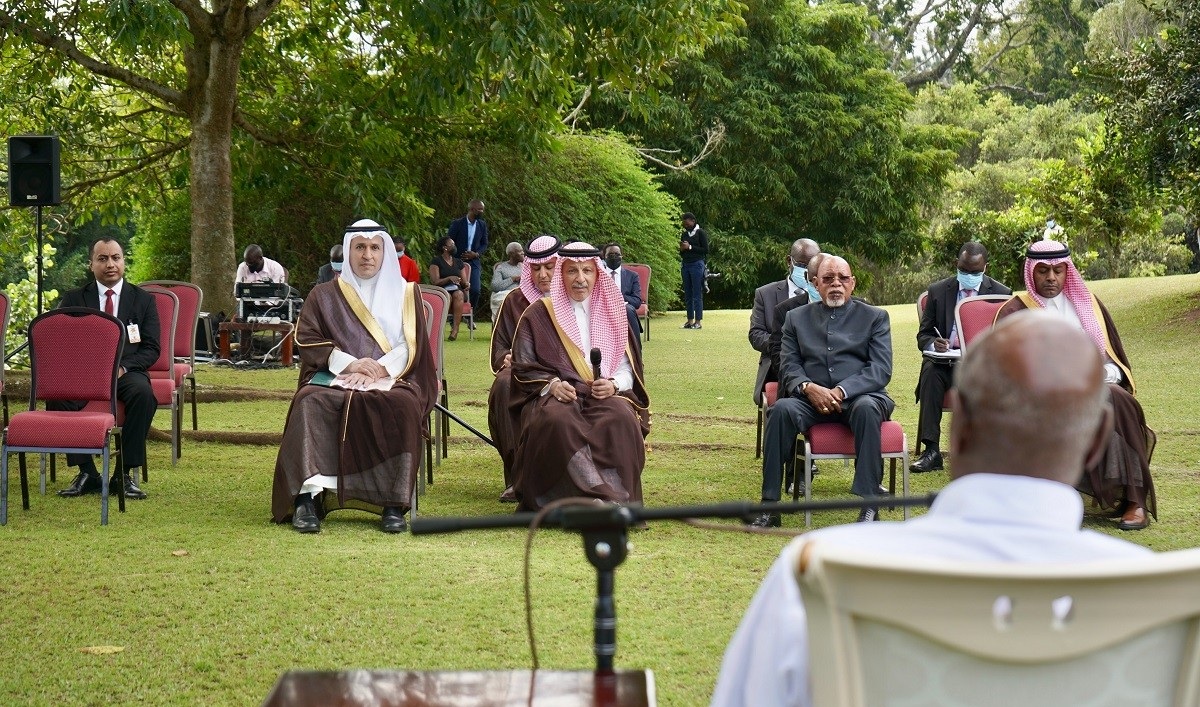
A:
x,y
595,364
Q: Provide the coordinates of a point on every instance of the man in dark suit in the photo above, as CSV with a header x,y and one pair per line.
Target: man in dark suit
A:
x,y
767,297
330,270
136,309
835,363
470,234
938,335
627,280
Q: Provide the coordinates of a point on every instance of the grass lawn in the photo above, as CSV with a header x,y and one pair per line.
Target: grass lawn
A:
x,y
211,602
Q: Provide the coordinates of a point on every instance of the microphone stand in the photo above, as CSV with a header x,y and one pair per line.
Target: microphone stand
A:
x,y
605,531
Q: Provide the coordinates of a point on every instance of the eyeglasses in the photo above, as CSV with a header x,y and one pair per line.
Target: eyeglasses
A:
x,y
844,279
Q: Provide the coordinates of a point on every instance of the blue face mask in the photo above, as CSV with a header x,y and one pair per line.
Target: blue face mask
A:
x,y
337,267
798,276
813,295
970,281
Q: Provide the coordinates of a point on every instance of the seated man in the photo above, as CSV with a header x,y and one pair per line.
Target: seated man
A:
x,y
835,363
582,430
355,431
257,268
537,270
803,296
937,336
1121,478
767,298
506,276
627,281
330,270
137,311
1030,412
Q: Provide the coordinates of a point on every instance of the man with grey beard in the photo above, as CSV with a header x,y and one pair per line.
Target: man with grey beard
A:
x,y
840,374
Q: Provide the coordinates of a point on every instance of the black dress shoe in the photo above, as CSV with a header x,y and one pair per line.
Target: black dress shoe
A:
x,y
132,490
393,520
867,515
86,482
930,460
509,495
766,520
304,517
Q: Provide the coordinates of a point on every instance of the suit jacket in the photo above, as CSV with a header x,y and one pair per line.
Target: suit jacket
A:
x,y
939,308
325,273
631,287
136,307
850,346
762,322
775,342
458,231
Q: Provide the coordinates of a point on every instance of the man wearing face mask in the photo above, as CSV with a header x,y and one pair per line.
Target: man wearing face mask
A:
x,y
330,270
767,297
628,282
939,335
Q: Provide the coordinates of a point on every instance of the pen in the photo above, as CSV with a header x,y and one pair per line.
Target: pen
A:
x,y
939,334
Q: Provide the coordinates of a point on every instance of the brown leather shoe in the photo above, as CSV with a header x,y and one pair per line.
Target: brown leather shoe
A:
x,y
1134,518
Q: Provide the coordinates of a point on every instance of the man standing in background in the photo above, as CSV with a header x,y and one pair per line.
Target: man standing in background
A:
x,y
693,249
470,234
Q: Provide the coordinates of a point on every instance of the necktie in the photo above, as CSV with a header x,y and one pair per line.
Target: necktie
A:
x,y
614,274
108,305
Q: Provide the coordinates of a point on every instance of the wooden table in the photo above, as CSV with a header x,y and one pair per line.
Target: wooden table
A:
x,y
285,328
491,688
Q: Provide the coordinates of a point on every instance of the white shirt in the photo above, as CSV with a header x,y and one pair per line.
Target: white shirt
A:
x,y
623,376
1063,307
116,299
271,271
979,517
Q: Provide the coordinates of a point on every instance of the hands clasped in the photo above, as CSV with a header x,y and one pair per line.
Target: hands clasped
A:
x,y
362,373
827,401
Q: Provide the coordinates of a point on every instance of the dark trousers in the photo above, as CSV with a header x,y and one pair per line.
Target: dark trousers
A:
x,y
133,389
693,290
936,379
864,414
475,274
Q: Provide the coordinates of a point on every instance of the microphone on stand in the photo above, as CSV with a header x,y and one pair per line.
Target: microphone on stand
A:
x,y
595,364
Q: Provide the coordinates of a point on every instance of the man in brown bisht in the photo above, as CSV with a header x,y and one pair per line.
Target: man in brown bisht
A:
x,y
355,429
537,270
1121,479
582,430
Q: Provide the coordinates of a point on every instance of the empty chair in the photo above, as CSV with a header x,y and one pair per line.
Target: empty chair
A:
x,y
191,301
166,392
975,315
643,312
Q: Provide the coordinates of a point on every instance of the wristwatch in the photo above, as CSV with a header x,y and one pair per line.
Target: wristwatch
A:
x,y
804,386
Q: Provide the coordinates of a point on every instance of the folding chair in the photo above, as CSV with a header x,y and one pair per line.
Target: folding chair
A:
x,y
166,392
439,301
62,368
770,393
834,440
191,300
886,630
643,312
975,315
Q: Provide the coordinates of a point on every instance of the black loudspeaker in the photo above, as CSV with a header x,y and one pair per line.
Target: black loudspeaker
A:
x,y
33,170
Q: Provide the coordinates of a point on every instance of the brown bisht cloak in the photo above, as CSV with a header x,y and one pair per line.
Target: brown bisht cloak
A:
x,y
503,421
589,447
1123,473
371,440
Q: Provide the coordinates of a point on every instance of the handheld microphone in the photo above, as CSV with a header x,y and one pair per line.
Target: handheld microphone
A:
x,y
595,364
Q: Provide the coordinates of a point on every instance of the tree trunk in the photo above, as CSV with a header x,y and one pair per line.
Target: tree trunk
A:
x,y
213,69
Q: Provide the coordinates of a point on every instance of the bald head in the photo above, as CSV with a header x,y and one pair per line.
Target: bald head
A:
x,y
1031,401
814,264
802,252
253,256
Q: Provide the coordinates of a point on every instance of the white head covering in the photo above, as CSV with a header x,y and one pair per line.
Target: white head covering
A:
x,y
383,294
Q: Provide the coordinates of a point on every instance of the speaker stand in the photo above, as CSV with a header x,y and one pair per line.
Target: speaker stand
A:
x,y
39,259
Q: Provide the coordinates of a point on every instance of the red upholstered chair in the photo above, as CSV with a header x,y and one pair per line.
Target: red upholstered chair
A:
x,y
166,392
975,315
191,301
834,440
63,369
439,302
468,314
4,312
643,312
770,393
